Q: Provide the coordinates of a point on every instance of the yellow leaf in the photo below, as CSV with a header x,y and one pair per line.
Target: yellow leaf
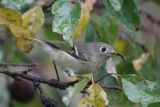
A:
x,y
86,8
32,20
24,45
95,97
19,30
9,16
139,62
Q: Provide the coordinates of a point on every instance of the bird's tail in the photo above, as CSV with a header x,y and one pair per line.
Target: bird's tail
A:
x,y
42,42
39,42
48,48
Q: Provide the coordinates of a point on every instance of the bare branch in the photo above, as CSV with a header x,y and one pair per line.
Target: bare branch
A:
x,y
46,101
10,64
152,19
108,88
53,82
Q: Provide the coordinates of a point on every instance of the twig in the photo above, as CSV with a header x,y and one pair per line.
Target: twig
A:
x,y
46,101
53,82
56,71
107,88
118,88
47,7
144,1
131,39
153,20
10,64
106,76
26,71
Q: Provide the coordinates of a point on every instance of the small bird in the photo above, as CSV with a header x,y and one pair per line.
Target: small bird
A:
x,y
83,58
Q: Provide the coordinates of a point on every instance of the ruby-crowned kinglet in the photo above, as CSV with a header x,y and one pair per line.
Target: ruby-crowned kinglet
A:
x,y
83,58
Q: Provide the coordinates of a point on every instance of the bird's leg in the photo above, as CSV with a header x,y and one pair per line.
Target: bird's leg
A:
x,y
92,78
86,57
76,50
58,79
70,73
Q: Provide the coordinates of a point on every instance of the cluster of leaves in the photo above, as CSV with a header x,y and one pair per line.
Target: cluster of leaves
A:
x,y
26,25
74,19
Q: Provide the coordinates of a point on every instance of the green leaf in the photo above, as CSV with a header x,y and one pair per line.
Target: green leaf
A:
x,y
157,1
90,33
128,15
116,4
106,27
49,34
77,88
66,16
33,103
17,4
139,90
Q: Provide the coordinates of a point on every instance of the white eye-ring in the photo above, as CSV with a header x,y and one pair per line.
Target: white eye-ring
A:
x,y
103,49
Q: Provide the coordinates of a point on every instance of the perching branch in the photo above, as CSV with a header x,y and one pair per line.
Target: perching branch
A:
x,y
52,82
25,65
46,101
151,19
47,6
108,88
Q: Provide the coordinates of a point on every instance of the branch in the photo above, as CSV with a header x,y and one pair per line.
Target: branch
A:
x,y
47,7
26,65
106,88
118,88
152,19
144,1
46,101
52,82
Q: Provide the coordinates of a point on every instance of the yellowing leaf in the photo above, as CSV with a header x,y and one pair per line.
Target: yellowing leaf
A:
x,y
139,62
9,16
95,97
19,30
86,8
32,21
24,45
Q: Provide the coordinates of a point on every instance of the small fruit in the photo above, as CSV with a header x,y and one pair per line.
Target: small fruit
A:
x,y
22,91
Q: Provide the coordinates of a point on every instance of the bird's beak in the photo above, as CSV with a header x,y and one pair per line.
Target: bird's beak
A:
x,y
118,54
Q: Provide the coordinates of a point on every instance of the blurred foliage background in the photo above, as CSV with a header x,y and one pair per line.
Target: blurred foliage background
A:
x,y
130,26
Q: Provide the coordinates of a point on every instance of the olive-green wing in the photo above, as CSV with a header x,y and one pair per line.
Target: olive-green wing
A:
x,y
60,45
68,49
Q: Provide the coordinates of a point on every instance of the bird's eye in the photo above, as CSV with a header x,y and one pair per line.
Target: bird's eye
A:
x,y
103,49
